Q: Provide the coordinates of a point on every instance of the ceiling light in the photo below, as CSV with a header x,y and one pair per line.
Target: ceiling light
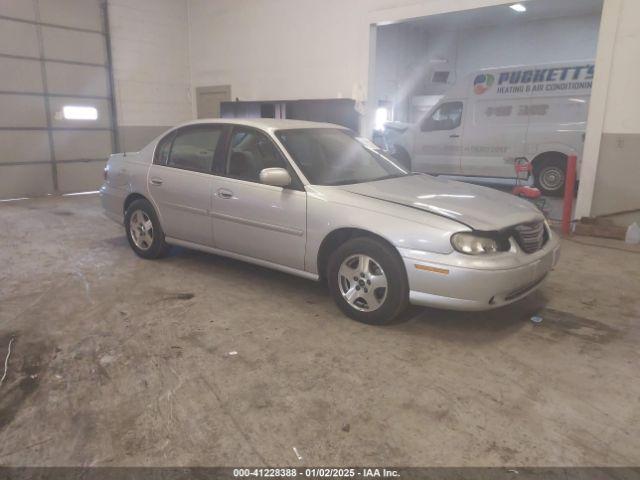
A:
x,y
518,7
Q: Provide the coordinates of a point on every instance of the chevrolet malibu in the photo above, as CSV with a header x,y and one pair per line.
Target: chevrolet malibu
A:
x,y
313,200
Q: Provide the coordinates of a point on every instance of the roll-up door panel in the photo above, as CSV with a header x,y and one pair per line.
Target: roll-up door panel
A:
x,y
74,46
75,144
23,111
25,180
80,176
24,146
63,78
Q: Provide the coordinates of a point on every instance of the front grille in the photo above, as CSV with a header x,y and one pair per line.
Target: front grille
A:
x,y
531,236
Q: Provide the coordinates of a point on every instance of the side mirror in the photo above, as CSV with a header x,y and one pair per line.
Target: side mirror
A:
x,y
278,177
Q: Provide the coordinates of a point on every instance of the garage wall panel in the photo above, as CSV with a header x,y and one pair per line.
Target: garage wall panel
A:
x,y
80,176
18,38
17,9
75,145
24,146
65,63
22,111
63,78
25,180
17,75
71,13
75,46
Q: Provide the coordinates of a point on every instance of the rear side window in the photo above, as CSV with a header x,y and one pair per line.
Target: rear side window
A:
x,y
163,149
193,148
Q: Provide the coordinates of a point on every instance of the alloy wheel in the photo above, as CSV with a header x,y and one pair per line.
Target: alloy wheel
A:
x,y
362,282
141,229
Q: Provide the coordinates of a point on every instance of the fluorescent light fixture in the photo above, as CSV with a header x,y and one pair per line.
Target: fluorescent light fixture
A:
x,y
74,112
518,7
382,115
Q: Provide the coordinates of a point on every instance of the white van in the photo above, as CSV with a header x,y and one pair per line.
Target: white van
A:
x,y
495,116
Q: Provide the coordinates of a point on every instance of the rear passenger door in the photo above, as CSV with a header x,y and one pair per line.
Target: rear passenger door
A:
x,y
180,181
253,219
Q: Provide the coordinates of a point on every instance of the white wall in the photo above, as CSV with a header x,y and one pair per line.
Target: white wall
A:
x,y
150,49
283,49
541,41
617,183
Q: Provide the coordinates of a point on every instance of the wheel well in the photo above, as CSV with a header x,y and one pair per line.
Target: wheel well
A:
x,y
402,155
130,199
540,159
337,238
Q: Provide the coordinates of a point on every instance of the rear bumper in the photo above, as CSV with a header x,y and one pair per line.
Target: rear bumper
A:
x,y
456,287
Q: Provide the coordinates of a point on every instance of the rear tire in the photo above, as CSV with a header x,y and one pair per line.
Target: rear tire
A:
x,y
550,175
367,281
144,232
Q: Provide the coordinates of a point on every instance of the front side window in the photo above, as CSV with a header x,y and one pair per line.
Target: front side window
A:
x,y
329,156
194,148
250,152
446,117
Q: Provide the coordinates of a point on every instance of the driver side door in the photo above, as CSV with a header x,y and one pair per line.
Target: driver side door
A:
x,y
250,218
438,143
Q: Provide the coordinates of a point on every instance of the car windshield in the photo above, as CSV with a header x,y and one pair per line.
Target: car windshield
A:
x,y
330,156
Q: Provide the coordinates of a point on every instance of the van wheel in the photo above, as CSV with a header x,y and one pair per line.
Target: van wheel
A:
x,y
367,281
403,157
550,176
144,232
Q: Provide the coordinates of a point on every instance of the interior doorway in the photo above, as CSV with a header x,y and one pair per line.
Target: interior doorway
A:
x,y
208,100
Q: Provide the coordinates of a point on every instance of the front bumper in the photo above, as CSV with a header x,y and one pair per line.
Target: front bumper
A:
x,y
463,282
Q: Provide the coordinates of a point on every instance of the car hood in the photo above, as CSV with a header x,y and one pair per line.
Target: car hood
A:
x,y
480,208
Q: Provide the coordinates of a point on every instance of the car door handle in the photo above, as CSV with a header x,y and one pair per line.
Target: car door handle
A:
x,y
156,181
454,135
224,193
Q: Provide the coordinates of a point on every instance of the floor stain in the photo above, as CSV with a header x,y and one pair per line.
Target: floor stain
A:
x,y
26,366
577,326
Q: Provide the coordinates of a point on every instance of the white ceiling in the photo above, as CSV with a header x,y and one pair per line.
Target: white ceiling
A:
x,y
501,14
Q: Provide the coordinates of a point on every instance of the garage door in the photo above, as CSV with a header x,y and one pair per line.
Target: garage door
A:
x,y
56,109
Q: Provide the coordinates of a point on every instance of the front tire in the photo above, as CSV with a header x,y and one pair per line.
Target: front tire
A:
x,y
367,281
144,232
550,176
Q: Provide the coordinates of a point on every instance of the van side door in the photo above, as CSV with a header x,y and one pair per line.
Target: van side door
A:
x,y
438,141
495,135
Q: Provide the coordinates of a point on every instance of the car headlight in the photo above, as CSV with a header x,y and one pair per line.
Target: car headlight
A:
x,y
473,244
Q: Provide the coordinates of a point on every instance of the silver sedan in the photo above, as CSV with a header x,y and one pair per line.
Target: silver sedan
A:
x,y
313,200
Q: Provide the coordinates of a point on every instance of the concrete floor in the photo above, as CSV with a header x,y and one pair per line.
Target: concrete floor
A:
x,y
122,361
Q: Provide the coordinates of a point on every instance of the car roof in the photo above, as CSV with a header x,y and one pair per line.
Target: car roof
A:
x,y
269,124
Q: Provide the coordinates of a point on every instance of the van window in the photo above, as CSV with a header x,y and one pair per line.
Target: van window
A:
x,y
446,117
